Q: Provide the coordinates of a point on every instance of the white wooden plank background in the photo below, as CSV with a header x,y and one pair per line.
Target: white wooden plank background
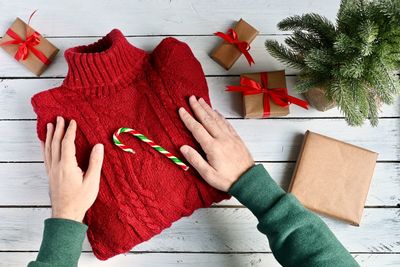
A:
x,y
18,259
224,235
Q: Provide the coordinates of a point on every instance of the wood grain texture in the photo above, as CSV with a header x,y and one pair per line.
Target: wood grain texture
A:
x,y
156,17
17,259
25,184
214,230
16,94
18,140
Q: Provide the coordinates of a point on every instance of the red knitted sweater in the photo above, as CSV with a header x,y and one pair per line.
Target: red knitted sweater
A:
x,y
112,84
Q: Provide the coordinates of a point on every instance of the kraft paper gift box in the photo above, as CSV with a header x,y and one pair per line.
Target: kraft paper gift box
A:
x,y
39,51
265,94
332,177
226,53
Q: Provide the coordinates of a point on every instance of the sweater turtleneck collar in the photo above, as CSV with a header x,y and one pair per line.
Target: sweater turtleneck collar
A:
x,y
102,67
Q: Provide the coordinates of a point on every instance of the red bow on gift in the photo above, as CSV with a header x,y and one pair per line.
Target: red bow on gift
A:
x,y
231,37
24,46
279,96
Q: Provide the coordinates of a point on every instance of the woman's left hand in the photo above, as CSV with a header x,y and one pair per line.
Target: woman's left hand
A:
x,y
72,191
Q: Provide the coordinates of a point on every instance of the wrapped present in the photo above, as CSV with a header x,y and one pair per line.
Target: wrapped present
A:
x,y
28,46
332,177
236,42
265,94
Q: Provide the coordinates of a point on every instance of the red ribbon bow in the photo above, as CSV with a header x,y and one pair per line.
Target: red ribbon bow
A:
x,y
24,46
279,96
231,37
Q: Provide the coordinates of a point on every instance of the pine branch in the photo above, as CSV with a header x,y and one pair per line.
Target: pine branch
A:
x,y
312,23
284,55
301,42
306,83
379,85
352,68
359,96
368,33
341,95
373,110
393,82
388,8
350,15
319,60
345,45
386,86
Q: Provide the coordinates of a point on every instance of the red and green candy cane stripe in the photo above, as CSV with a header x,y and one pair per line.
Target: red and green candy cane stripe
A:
x,y
143,138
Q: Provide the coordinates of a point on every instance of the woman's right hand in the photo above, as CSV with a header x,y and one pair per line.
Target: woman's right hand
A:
x,y
227,155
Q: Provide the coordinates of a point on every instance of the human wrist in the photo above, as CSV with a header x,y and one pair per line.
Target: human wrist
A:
x,y
256,190
68,215
241,173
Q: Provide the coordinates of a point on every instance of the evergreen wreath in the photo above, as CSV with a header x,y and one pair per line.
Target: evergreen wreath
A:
x,y
354,61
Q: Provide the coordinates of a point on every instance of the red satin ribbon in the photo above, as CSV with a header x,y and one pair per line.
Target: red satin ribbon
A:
x,y
231,37
24,46
279,96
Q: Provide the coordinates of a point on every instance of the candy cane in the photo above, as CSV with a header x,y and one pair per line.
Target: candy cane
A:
x,y
142,137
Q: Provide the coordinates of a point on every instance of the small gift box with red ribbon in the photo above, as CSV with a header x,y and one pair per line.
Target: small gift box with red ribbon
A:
x,y
265,94
236,41
28,46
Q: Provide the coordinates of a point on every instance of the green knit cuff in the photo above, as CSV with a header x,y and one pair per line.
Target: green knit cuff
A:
x,y
62,241
256,190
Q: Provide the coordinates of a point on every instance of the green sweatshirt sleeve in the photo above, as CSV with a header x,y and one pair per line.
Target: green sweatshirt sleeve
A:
x,y
297,237
61,244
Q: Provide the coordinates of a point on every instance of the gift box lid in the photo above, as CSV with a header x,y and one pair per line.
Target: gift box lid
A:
x,y
253,106
226,54
332,177
32,62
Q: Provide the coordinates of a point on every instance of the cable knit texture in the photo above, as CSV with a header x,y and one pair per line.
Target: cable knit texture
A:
x,y
112,84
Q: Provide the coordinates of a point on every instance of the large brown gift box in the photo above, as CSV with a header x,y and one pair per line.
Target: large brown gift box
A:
x,y
332,177
226,54
253,105
32,62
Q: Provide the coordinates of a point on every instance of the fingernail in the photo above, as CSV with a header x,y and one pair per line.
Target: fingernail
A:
x,y
48,126
201,99
182,110
192,98
99,148
184,149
